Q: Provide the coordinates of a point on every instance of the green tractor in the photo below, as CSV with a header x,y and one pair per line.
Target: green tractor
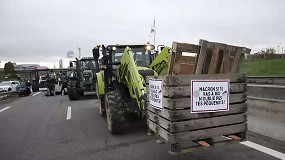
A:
x,y
81,77
121,84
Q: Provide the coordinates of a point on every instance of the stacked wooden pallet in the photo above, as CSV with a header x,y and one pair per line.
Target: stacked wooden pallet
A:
x,y
211,58
175,123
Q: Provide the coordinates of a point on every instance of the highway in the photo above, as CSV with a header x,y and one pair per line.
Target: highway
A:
x,y
51,128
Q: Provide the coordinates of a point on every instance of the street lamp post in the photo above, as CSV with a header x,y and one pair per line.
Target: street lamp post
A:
x,y
282,52
279,44
79,52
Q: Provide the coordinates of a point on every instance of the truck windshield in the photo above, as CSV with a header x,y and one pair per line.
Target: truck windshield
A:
x,y
43,72
141,56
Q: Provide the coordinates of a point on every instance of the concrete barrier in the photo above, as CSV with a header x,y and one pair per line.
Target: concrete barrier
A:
x,y
266,110
279,80
6,95
266,91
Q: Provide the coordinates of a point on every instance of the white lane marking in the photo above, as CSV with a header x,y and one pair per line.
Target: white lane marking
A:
x,y
264,149
68,115
4,109
36,93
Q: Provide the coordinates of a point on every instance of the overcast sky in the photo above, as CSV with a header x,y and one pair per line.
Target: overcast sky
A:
x,y
42,31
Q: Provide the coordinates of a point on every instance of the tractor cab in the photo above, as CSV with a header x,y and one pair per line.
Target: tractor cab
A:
x,y
87,63
142,54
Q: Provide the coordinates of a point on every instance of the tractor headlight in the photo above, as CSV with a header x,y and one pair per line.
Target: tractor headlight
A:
x,y
114,48
148,47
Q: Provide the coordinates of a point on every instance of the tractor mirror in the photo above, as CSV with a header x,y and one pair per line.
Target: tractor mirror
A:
x,y
96,53
70,64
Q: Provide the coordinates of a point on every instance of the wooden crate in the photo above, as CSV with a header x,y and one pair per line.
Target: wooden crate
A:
x,y
211,58
182,129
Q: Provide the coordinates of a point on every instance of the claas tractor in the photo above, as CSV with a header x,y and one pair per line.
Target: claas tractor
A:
x,y
81,77
121,84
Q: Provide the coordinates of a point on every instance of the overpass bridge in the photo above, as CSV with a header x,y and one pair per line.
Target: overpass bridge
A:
x,y
30,72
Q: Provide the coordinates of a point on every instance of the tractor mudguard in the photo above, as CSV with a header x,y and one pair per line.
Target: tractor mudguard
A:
x,y
100,83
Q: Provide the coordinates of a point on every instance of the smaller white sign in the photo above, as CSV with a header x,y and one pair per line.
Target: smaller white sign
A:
x,y
155,93
209,95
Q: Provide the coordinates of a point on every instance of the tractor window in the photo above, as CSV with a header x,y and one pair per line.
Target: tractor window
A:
x,y
138,57
88,64
141,56
117,57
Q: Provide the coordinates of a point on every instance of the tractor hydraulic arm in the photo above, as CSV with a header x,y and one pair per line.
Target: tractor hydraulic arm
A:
x,y
128,74
160,63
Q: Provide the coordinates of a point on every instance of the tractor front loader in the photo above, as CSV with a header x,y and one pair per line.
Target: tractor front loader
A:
x,y
121,84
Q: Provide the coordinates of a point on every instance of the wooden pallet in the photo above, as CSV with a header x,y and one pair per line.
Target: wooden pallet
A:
x,y
184,130
211,58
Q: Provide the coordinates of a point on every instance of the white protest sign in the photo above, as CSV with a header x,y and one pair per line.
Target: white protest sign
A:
x,y
155,93
209,95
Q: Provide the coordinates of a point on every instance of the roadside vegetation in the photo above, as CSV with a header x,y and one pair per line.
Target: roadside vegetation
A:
x,y
271,67
9,73
266,62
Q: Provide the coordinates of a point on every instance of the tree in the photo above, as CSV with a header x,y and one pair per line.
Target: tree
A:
x,y
268,51
9,68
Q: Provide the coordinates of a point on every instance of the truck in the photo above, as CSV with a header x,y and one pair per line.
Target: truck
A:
x,y
39,79
121,84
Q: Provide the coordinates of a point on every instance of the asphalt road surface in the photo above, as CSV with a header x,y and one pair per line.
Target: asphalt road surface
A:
x,y
55,128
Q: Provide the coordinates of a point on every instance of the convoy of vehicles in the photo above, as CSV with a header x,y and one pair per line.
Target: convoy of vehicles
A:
x,y
116,73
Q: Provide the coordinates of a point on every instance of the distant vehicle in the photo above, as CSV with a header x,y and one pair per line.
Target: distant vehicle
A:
x,y
39,81
8,86
24,89
82,78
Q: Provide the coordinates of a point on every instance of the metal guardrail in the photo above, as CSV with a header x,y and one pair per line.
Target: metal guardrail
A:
x,y
279,80
6,95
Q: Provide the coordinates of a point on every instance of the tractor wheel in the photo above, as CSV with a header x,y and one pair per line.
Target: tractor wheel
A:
x,y
102,109
72,90
115,111
81,92
35,87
